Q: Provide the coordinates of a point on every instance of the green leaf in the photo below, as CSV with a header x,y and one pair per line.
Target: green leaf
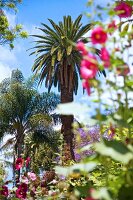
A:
x,y
114,149
85,148
82,191
53,49
69,50
80,111
126,27
81,167
125,193
72,109
53,61
59,55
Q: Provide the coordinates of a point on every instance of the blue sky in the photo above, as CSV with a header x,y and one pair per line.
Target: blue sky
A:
x,y
31,13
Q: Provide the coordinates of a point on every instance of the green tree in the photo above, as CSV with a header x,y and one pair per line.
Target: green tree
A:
x,y
8,34
43,149
23,110
58,62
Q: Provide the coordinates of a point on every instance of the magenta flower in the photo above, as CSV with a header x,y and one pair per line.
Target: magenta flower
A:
x,y
21,192
89,67
32,176
98,36
86,73
105,57
4,191
89,61
81,47
19,163
123,9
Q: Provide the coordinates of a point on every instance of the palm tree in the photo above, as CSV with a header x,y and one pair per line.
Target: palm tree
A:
x,y
58,62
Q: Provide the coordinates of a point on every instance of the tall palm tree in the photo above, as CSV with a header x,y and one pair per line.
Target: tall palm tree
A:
x,y
58,62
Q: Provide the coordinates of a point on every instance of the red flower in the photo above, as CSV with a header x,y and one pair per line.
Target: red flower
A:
x,y
98,36
105,57
21,191
4,191
27,161
81,47
19,163
124,9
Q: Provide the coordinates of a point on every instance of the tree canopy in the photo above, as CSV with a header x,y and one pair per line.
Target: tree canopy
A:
x,y
7,33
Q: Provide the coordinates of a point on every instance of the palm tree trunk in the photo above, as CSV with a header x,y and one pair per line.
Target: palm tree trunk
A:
x,y
66,129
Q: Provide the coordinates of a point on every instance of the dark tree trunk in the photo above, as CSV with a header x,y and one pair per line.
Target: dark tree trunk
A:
x,y
67,120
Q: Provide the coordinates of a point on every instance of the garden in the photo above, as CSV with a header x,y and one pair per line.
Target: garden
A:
x,y
53,147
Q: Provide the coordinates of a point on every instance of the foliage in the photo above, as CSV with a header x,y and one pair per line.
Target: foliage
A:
x,y
23,111
56,53
7,33
42,149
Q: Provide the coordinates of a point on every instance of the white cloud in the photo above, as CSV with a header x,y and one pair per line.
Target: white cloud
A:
x,y
11,18
8,60
5,71
32,29
6,55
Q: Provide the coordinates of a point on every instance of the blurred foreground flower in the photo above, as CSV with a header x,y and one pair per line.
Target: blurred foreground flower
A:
x,y
123,9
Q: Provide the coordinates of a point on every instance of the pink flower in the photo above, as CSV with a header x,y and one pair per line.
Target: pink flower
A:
x,y
86,86
4,191
25,180
105,56
32,176
124,10
27,161
98,36
90,62
19,163
81,47
86,73
21,191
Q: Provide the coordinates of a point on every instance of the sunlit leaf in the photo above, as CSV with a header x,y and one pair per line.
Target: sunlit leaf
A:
x,y
101,194
81,167
114,149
